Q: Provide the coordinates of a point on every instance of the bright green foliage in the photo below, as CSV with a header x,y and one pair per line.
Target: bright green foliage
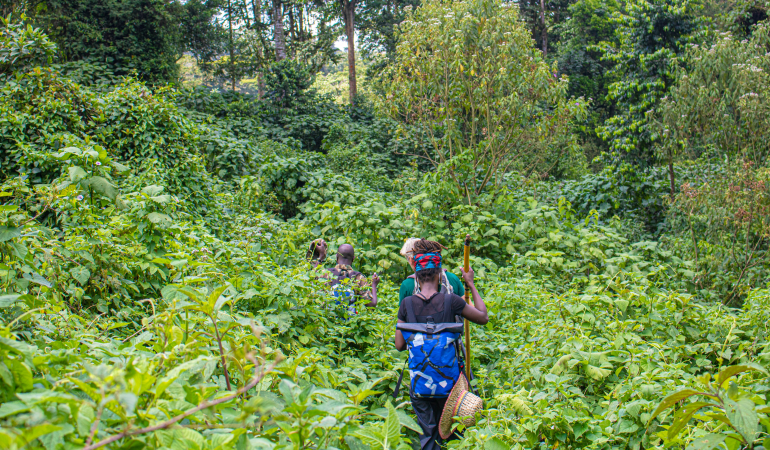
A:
x,y
651,36
589,369
151,297
468,78
725,403
22,46
44,112
719,104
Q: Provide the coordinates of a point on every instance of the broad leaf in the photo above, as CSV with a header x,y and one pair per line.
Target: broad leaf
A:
x,y
102,186
7,233
671,400
707,442
742,417
81,274
683,416
735,370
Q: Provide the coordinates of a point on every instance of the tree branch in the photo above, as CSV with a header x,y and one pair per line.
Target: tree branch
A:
x,y
203,405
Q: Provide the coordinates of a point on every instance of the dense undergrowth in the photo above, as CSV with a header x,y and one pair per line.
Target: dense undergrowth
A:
x,y
154,293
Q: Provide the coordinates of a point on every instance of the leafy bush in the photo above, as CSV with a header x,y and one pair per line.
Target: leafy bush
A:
x,y
129,35
469,82
22,47
723,225
718,105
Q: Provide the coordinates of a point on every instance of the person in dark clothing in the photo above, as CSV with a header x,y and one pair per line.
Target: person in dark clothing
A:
x,y
343,270
430,302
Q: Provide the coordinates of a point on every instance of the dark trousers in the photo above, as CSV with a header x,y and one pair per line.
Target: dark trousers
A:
x,y
428,412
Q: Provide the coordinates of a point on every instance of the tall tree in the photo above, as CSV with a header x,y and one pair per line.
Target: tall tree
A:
x,y
468,77
376,23
545,19
349,17
278,32
580,58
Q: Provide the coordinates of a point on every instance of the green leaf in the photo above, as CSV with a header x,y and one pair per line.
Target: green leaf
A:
x,y
735,370
597,373
80,274
152,190
7,233
119,167
392,426
214,296
671,400
17,347
30,434
496,444
742,416
683,416
403,418
156,217
8,300
101,186
165,198
76,174
561,364
707,442
12,408
355,444
38,279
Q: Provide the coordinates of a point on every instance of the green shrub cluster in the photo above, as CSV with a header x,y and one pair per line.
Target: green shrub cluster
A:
x,y
154,292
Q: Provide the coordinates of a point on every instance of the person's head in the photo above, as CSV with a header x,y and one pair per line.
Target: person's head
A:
x,y
345,254
317,250
427,261
407,251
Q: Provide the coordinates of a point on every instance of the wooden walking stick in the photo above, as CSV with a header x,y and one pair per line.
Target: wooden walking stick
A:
x,y
466,268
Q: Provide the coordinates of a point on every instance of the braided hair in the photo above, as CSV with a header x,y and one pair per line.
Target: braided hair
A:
x,y
426,246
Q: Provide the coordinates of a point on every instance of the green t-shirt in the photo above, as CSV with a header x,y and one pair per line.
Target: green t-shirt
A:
x,y
407,286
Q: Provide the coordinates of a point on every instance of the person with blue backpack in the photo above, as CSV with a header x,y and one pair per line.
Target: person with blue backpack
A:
x,y
347,284
428,328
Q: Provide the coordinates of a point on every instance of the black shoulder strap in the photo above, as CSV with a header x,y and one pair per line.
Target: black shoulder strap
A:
x,y
410,317
448,316
400,379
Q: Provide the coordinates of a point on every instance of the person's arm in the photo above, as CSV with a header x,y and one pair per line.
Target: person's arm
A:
x,y
476,313
400,341
373,292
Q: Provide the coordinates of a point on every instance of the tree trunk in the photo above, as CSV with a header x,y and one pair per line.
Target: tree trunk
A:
x,y
256,6
280,39
292,29
671,175
349,14
544,36
232,49
301,13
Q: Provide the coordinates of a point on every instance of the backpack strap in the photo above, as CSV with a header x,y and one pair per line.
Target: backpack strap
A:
x,y
410,317
448,316
400,379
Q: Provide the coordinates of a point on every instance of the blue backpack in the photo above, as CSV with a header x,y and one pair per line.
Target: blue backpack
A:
x,y
433,357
